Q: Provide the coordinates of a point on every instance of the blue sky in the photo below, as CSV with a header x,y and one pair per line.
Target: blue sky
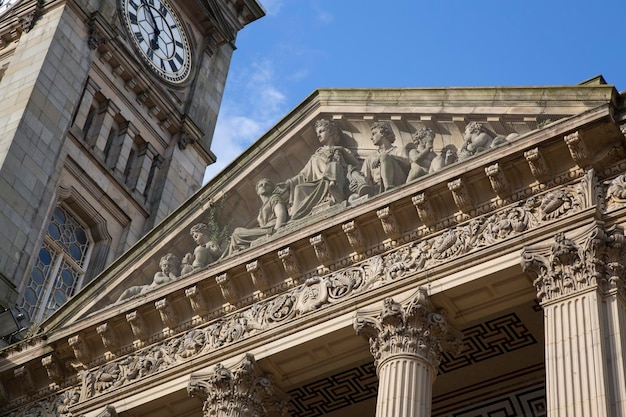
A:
x,y
302,45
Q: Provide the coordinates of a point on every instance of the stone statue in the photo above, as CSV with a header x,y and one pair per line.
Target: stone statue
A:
x,y
477,140
169,272
422,155
324,178
206,252
447,156
388,168
272,215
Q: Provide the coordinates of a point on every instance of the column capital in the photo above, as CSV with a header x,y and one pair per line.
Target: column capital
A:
x,y
588,258
241,390
412,328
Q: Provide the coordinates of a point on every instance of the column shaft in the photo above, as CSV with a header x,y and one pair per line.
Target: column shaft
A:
x,y
405,387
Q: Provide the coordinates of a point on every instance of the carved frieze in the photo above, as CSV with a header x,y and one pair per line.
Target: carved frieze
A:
x,y
414,328
242,390
320,291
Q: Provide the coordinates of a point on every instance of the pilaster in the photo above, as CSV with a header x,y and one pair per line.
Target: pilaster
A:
x,y
579,281
407,341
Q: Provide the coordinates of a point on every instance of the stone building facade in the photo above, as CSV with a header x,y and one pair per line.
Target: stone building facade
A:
x,y
490,283
99,142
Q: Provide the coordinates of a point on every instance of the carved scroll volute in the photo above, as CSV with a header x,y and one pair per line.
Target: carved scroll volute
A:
x,y
322,249
169,318
461,195
53,368
578,149
23,375
425,210
82,352
241,390
291,264
538,165
414,327
138,326
259,278
229,292
499,181
197,301
110,339
390,223
355,236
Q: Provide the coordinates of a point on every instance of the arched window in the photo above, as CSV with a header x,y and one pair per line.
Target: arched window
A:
x,y
60,267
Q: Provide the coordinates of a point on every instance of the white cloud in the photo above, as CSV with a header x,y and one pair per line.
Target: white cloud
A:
x,y
252,104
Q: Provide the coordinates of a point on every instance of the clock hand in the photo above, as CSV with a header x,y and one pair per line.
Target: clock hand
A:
x,y
154,42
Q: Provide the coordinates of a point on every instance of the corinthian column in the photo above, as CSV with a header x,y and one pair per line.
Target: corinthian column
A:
x,y
407,341
237,391
580,285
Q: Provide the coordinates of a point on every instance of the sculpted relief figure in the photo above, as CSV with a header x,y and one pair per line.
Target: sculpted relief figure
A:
x,y
325,177
169,272
447,156
422,155
477,140
206,252
272,215
387,168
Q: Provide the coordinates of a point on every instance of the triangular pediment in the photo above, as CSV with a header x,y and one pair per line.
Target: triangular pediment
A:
x,y
516,118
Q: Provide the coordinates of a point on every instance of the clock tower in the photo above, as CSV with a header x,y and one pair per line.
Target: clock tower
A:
x,y
107,115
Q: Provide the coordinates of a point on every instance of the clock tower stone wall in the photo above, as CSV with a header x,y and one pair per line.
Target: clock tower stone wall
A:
x,y
87,127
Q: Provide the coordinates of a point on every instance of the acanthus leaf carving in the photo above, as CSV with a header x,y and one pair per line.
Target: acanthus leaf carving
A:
x,y
23,375
242,390
197,301
138,325
499,181
414,327
169,318
110,339
568,265
82,351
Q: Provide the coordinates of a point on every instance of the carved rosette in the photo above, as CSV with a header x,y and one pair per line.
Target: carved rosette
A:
x,y
239,391
414,328
592,259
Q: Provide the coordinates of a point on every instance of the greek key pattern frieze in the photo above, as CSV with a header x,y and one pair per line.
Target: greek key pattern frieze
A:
x,y
488,340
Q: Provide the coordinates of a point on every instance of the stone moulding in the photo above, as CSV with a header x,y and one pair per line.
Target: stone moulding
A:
x,y
321,291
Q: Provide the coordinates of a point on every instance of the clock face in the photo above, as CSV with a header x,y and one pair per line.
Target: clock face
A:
x,y
157,33
5,5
